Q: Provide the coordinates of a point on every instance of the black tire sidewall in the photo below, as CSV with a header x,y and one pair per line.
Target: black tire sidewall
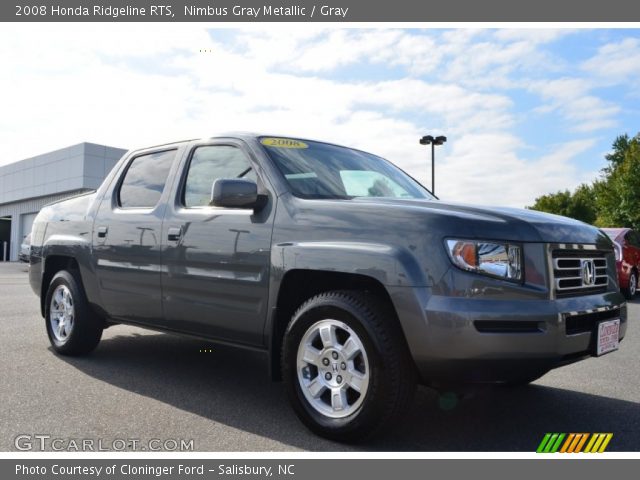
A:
x,y
356,425
86,332
629,295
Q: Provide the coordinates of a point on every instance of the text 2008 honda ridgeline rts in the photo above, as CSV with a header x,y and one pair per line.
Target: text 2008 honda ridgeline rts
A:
x,y
345,271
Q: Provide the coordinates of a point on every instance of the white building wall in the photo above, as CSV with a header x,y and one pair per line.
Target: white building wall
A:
x,y
17,209
28,185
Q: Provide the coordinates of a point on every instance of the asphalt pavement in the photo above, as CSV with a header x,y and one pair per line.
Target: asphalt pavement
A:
x,y
140,386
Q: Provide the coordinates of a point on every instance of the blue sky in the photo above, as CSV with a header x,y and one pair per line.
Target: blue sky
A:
x,y
526,111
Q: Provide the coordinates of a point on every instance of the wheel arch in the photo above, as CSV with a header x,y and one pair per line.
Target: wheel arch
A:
x,y
52,265
297,286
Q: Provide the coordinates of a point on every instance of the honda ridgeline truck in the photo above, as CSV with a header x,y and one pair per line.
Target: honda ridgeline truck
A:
x,y
348,274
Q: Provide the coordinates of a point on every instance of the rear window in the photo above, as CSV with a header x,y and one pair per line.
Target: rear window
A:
x,y
144,180
633,238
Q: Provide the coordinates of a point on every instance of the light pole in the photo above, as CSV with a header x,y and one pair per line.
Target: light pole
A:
x,y
433,141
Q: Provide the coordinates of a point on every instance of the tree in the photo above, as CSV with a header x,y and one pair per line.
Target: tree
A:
x,y
618,191
579,204
620,146
613,200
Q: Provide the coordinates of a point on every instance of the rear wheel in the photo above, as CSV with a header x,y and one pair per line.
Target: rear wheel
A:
x,y
632,288
346,367
72,327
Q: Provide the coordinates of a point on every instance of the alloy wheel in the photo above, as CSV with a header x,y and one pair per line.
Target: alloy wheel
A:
x,y
61,313
333,368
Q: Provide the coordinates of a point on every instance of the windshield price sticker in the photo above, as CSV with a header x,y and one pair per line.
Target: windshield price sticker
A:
x,y
283,143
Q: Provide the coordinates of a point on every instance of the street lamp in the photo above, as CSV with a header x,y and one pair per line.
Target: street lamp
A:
x,y
433,141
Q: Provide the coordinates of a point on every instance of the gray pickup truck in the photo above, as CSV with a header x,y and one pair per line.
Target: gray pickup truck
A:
x,y
348,274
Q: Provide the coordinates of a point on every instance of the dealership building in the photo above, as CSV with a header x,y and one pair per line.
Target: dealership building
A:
x,y
28,185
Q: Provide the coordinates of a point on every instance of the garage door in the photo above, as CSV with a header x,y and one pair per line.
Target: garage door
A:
x,y
26,222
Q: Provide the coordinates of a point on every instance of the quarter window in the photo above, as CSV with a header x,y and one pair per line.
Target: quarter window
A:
x,y
210,163
144,180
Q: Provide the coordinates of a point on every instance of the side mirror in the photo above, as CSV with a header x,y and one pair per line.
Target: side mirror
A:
x,y
234,193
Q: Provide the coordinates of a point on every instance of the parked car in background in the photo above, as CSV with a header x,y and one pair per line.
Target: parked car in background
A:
x,y
25,249
627,246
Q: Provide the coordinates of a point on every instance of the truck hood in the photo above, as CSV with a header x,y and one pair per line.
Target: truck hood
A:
x,y
504,223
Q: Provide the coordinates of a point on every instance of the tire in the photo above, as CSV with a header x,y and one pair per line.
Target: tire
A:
x,y
526,379
371,372
630,291
66,304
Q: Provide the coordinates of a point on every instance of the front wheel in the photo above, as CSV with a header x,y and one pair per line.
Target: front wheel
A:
x,y
631,289
346,366
72,327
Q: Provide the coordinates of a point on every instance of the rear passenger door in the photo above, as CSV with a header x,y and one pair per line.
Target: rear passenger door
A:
x,y
216,260
126,238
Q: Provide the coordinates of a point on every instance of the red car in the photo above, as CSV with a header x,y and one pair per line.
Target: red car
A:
x,y
627,246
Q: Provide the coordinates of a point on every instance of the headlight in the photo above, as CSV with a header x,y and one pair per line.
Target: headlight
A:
x,y
500,260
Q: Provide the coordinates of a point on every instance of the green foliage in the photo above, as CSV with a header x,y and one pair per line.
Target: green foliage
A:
x,y
612,200
618,192
578,205
619,148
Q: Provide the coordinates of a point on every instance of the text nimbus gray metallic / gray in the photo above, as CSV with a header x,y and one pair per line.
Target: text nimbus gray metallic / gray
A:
x,y
265,11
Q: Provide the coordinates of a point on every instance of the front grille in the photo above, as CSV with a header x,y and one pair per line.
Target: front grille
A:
x,y
586,322
569,272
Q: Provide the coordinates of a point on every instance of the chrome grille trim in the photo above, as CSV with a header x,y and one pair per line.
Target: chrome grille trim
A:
x,y
568,274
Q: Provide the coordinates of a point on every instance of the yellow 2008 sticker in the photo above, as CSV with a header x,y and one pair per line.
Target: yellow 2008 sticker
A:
x,y
283,143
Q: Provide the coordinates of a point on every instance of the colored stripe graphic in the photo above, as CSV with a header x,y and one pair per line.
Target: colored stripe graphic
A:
x,y
581,443
599,442
556,446
604,445
550,443
574,442
568,442
590,444
543,443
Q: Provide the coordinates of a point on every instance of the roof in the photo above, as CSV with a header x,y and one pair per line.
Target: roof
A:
x,y
615,232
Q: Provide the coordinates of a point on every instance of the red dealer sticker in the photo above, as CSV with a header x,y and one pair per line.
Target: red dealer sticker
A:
x,y
608,336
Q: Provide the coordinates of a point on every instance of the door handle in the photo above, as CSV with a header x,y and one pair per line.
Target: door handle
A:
x,y
174,234
102,232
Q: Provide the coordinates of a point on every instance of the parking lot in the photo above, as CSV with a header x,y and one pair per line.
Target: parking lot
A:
x,y
145,385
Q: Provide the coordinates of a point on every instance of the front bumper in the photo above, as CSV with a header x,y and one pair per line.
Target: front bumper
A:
x,y
461,339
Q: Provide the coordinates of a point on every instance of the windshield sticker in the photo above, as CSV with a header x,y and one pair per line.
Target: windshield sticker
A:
x,y
283,143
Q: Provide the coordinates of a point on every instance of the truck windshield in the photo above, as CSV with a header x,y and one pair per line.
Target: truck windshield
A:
x,y
321,170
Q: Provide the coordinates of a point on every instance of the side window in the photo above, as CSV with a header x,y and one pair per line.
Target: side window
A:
x,y
144,180
209,163
633,238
